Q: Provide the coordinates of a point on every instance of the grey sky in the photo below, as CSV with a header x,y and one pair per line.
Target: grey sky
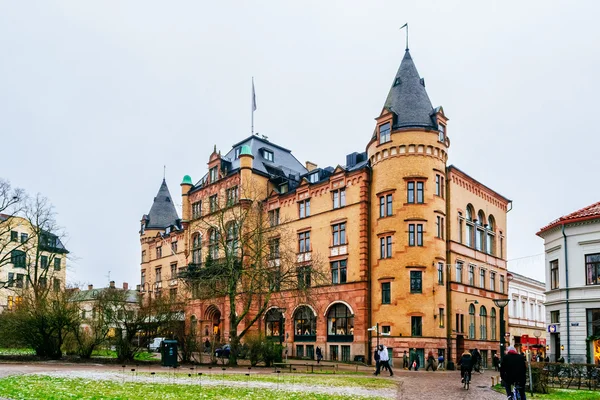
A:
x,y
96,97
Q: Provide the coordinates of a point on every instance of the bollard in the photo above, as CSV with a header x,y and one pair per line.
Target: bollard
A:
x,y
493,384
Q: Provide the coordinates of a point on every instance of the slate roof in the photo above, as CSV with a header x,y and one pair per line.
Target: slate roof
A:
x,y
585,214
408,99
163,213
89,295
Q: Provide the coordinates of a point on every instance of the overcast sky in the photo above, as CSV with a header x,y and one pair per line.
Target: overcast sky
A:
x,y
95,97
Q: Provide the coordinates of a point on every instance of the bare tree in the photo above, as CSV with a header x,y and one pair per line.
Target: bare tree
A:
x,y
251,257
12,202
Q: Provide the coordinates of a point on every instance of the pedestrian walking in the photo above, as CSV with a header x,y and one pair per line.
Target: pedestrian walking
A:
x,y
414,359
384,360
319,355
430,361
376,358
441,362
405,360
496,361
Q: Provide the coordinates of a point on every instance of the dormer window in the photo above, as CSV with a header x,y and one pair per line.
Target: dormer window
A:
x,y
238,150
267,155
442,130
314,177
213,174
384,133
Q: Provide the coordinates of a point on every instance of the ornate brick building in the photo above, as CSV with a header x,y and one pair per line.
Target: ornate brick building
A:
x,y
409,244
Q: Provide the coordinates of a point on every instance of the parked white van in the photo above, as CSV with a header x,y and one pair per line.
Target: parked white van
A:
x,y
155,344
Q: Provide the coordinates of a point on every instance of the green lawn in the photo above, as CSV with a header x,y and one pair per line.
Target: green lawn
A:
x,y
559,394
43,387
143,356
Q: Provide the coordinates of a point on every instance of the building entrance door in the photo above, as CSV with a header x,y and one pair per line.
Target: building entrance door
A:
x,y
556,346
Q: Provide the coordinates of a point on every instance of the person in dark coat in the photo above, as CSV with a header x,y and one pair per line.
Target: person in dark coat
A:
x,y
414,360
513,371
319,355
376,357
430,361
405,360
476,360
466,364
496,361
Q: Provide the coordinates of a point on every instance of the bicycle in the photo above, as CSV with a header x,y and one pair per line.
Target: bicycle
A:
x,y
515,395
467,380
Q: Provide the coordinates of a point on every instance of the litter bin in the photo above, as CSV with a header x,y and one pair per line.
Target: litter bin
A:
x,y
169,353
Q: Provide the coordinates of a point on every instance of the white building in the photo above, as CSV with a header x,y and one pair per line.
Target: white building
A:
x,y
526,313
572,247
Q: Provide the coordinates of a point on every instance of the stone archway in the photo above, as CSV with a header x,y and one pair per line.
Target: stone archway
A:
x,y
212,318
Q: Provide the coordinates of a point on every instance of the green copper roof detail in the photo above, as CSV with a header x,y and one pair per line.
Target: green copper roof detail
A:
x,y
187,180
246,150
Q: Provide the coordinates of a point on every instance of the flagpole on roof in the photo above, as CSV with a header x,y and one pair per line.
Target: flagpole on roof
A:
x,y
406,26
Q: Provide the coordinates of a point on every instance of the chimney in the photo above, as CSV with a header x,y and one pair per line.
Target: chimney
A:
x,y
90,287
112,284
310,166
125,286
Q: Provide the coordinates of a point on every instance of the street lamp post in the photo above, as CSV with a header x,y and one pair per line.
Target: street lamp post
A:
x,y
376,330
501,303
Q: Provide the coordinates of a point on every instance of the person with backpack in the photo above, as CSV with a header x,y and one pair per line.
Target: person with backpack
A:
x,y
513,370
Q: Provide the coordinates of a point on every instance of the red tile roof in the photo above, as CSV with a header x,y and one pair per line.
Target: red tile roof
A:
x,y
586,213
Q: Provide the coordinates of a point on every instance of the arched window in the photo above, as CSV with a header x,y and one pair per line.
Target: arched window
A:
x,y
197,249
213,244
232,238
193,323
493,323
461,223
480,234
490,245
471,321
470,224
483,323
274,324
340,324
305,324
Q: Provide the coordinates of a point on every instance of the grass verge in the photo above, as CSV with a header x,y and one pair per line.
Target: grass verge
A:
x,y
50,388
559,394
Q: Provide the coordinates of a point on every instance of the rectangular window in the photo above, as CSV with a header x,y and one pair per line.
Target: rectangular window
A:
x,y
213,174
501,245
274,248
460,228
173,271
196,209
268,155
232,195
410,190
345,353
304,208
339,198
416,324
11,278
439,185
304,280
482,278
143,279
43,282
174,247
24,237
554,282
459,269
471,275
441,318
21,278
386,293
440,272
439,227
159,252
502,284
555,317
238,151
385,329
339,234
384,133
385,244
44,262
18,258
385,206
416,282
173,294
14,236
411,234
57,266
274,217
143,256
419,234
338,272
493,281
442,133
420,192
213,203
56,284
158,274
333,352
592,268
304,242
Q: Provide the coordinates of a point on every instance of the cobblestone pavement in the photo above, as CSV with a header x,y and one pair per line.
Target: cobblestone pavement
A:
x,y
444,385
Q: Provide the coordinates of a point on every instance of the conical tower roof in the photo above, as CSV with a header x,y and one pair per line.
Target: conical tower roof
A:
x,y
163,213
408,99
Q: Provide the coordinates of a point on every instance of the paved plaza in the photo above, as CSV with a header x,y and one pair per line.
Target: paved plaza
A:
x,y
411,385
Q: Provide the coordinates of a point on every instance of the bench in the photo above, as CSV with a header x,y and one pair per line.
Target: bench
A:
x,y
309,367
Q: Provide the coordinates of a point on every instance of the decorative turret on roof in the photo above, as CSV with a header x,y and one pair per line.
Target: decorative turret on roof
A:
x,y
163,213
408,99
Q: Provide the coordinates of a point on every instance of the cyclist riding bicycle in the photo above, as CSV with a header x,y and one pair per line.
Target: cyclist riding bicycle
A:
x,y
466,365
513,371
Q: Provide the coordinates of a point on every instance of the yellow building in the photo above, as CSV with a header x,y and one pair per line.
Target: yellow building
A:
x,y
410,245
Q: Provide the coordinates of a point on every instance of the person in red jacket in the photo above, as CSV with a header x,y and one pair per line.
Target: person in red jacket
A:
x,y
513,370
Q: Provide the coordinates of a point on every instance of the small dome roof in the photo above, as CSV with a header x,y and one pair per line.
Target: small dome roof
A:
x,y
187,180
245,150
